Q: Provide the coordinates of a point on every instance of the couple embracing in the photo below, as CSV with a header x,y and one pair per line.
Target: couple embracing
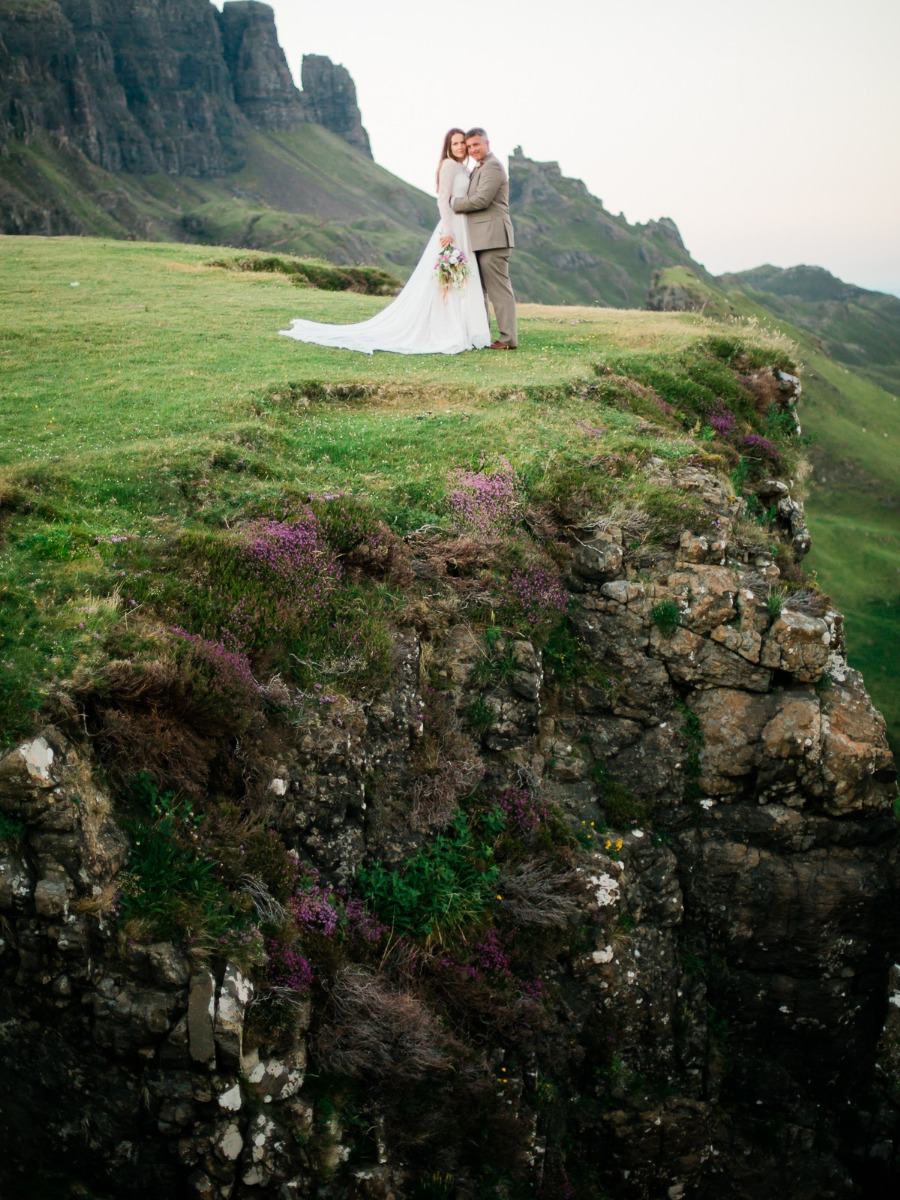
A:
x,y
444,308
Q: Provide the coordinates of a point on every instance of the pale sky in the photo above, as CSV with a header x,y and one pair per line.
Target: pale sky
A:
x,y
769,131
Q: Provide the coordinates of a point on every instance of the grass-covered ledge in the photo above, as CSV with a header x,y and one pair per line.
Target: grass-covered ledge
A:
x,y
154,424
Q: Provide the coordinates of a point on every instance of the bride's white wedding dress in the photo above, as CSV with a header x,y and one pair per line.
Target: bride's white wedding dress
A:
x,y
423,319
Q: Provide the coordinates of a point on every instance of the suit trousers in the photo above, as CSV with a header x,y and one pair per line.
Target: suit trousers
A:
x,y
494,268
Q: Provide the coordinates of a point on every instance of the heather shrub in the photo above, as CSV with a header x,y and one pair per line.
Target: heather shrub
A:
x,y
533,598
287,971
214,683
721,421
295,572
260,584
479,984
320,913
754,445
275,590
488,502
703,383
522,812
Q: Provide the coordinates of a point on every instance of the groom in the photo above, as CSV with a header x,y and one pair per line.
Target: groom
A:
x,y
491,234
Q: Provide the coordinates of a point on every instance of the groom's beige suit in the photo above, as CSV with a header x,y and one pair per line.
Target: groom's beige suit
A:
x,y
491,235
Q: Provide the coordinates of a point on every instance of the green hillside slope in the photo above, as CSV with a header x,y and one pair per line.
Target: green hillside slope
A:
x,y
859,328
570,250
305,191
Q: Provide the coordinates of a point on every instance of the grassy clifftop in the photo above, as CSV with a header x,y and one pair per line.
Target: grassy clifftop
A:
x,y
148,402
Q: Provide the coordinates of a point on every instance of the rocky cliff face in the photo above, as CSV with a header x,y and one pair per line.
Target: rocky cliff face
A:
x,y
154,85
262,82
329,95
138,87
714,1013
264,89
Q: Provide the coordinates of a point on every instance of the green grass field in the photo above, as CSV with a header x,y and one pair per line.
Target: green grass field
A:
x,y
156,396
154,349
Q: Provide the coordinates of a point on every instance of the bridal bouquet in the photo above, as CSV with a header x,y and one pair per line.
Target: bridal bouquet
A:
x,y
451,268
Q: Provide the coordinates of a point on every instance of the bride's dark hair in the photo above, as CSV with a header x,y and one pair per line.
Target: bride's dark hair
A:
x,y
445,153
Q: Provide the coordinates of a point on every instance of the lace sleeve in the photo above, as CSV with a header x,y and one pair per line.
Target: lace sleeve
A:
x,y
445,186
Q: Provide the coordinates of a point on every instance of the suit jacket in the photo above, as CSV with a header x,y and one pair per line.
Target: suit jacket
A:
x,y
487,204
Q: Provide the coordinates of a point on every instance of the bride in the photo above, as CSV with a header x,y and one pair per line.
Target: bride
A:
x,y
427,317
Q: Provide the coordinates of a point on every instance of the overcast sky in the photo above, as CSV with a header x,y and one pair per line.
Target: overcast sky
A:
x,y
769,131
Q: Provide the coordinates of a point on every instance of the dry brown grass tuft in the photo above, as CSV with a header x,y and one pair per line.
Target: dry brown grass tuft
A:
x,y
535,894
434,797
131,741
764,388
807,600
151,682
376,1030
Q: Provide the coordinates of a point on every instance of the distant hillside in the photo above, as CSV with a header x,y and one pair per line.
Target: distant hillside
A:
x,y
858,327
142,118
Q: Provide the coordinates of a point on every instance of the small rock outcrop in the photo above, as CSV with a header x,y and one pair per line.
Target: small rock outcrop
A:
x,y
666,295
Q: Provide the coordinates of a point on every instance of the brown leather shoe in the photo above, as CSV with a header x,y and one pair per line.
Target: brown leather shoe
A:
x,y
501,346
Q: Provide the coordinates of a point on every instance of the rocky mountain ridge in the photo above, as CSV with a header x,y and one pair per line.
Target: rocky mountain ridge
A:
x,y
100,102
158,86
569,249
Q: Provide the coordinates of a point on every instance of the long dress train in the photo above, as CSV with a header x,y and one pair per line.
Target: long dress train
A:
x,y
423,319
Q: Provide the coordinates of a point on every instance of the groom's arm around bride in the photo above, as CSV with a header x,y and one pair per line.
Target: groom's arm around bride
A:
x,y
491,233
